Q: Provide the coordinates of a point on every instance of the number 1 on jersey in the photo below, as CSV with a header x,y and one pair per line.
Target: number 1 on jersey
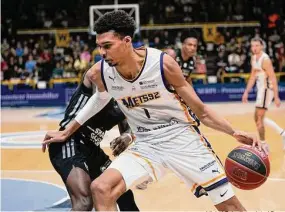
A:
x,y
146,113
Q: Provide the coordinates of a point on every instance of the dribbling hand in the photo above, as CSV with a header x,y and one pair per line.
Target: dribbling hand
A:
x,y
249,139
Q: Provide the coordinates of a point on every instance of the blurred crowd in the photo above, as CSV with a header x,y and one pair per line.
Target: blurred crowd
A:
x,y
38,56
73,13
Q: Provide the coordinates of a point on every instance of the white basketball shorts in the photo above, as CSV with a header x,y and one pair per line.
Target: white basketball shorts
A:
x,y
186,153
264,98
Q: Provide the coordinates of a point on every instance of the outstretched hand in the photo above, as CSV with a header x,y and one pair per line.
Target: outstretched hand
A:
x,y
52,137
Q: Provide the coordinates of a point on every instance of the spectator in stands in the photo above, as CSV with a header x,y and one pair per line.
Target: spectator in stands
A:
x,y
221,63
30,65
5,45
42,43
4,68
281,59
157,44
69,70
274,37
77,63
57,72
234,62
271,51
201,67
85,57
20,66
19,50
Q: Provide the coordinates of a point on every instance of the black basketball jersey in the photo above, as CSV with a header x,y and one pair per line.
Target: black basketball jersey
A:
x,y
187,66
94,129
77,102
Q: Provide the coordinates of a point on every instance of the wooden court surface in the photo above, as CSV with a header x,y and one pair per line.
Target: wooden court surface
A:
x,y
170,193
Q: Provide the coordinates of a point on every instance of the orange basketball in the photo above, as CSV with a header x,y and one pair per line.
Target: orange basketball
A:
x,y
247,168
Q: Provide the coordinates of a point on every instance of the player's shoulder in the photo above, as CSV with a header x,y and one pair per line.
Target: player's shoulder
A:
x,y
94,71
153,51
265,55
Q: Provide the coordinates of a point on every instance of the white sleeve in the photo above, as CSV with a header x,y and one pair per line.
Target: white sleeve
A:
x,y
94,105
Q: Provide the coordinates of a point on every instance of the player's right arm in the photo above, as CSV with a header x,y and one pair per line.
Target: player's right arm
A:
x,y
94,105
206,115
249,85
189,80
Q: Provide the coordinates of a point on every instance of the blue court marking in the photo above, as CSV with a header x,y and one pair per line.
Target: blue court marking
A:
x,y
57,114
32,195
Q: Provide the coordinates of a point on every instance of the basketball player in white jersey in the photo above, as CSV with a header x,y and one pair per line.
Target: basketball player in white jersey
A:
x,y
147,84
262,73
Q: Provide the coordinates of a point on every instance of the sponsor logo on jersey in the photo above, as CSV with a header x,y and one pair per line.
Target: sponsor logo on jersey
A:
x,y
117,88
172,122
112,78
146,84
208,165
105,166
143,129
135,101
96,135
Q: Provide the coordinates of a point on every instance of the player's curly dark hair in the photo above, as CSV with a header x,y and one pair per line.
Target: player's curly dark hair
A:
x,y
190,33
118,21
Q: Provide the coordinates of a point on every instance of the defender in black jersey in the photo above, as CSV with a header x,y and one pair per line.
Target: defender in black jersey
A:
x,y
80,159
186,57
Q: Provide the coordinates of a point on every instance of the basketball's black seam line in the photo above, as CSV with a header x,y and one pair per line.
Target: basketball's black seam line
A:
x,y
261,159
254,152
244,182
247,168
252,171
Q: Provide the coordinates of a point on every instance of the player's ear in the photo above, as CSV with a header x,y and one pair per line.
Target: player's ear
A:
x,y
128,39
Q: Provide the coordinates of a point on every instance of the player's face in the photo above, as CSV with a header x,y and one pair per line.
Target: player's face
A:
x,y
256,47
190,46
112,47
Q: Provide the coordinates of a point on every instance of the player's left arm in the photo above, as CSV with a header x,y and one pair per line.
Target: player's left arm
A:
x,y
268,67
207,116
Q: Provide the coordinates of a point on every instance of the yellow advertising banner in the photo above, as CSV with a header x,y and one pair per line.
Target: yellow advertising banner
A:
x,y
62,38
209,32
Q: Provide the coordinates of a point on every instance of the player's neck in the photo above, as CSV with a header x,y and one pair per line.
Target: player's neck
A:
x,y
258,55
185,56
131,67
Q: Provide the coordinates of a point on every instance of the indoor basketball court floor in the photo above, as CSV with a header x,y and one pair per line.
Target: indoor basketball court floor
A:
x,y
28,181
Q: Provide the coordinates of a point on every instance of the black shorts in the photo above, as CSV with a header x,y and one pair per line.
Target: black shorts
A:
x,y
75,153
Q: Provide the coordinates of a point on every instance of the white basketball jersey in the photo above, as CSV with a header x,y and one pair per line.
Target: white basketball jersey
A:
x,y
263,81
149,107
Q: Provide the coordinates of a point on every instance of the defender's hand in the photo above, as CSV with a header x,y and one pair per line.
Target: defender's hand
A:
x,y
249,139
52,137
120,144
